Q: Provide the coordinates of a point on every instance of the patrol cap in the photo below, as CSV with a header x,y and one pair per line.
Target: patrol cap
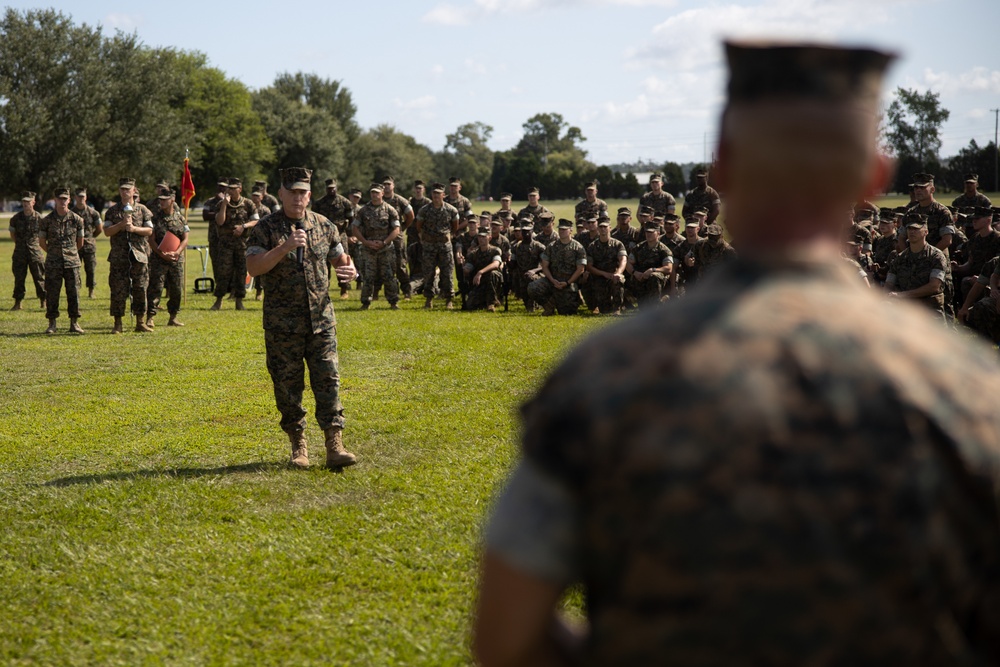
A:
x,y
915,220
592,218
864,214
971,178
263,184
505,214
331,182
387,179
354,191
163,183
671,217
886,212
546,215
565,224
79,192
126,182
235,182
495,220
982,212
257,190
455,179
61,193
437,187
701,211
533,191
713,230
417,183
485,215
601,222
922,179
222,180
27,195
646,210
590,185
900,210
166,193
483,231
656,177
651,227
658,219
526,220
624,210
701,172
506,195
296,178
376,187
691,222
470,214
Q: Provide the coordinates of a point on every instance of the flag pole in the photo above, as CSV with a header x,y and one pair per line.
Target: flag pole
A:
x,y
187,206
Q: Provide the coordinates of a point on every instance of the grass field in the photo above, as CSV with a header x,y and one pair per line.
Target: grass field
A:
x,y
147,515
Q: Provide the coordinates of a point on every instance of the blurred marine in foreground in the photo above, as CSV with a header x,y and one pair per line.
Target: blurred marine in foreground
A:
x,y
778,469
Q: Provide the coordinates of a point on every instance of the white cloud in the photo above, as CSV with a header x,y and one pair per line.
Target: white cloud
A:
x,y
976,80
123,22
463,14
437,71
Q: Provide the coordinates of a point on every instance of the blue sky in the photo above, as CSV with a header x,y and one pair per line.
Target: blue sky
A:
x,y
641,78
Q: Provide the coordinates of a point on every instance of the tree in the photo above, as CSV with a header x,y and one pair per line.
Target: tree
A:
x,y
973,159
467,156
385,151
914,130
323,94
673,179
547,156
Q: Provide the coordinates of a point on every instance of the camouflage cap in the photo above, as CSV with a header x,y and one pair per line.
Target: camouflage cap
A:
x,y
915,220
163,183
257,190
235,182
126,182
166,193
376,187
593,217
485,215
971,178
982,212
546,215
656,177
671,217
691,222
260,184
658,219
922,179
470,214
565,224
761,70
388,179
884,213
864,214
418,183
701,172
437,187
506,195
646,210
601,222
713,230
590,185
603,215
455,179
532,191
61,193
79,192
701,211
651,227
527,225
27,195
483,231
223,181
296,178
624,210
495,220
331,182
505,213
354,191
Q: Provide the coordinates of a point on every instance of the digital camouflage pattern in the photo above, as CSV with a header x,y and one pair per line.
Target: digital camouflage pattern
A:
x,y
984,316
163,273
643,258
526,262
129,259
488,291
911,270
62,262
438,255
231,270
563,259
377,266
763,501
547,239
88,253
28,255
460,203
402,206
629,236
436,223
585,209
673,243
661,204
965,201
534,212
125,245
697,198
939,221
708,254
337,209
608,295
981,249
285,354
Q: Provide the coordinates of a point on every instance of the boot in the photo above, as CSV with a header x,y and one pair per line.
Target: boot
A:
x,y
173,322
300,451
217,305
336,455
427,303
239,304
90,293
449,305
149,322
41,303
52,327
365,305
17,305
394,306
140,326
258,296
117,329
75,328
548,309
344,292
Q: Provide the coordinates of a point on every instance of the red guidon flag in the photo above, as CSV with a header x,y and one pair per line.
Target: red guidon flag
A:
x,y
187,186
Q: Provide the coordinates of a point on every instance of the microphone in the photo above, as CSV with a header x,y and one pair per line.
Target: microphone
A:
x,y
299,252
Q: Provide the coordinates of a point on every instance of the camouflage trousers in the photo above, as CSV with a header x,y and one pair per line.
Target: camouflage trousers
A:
x,y
486,293
231,270
125,279
164,274
566,301
648,291
984,317
519,282
414,254
22,264
399,266
55,276
88,258
438,256
285,355
377,268
608,295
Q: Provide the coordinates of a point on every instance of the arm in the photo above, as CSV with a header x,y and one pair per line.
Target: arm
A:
x,y
492,266
932,287
262,263
945,242
974,293
220,213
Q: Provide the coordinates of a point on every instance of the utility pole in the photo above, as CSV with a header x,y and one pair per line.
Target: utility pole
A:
x,y
996,151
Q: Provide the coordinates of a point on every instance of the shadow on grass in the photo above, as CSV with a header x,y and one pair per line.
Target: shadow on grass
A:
x,y
272,466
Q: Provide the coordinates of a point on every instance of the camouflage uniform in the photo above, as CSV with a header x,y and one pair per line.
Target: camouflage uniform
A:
x,y
674,243
563,259
706,198
547,239
608,295
402,206
487,293
28,255
62,262
984,316
629,236
462,246
981,249
270,201
208,212
707,255
414,254
88,253
375,224
162,272
761,500
939,221
460,203
299,323
661,204
586,210
965,201
642,258
436,249
231,271
911,270
883,252
129,259
534,212
526,263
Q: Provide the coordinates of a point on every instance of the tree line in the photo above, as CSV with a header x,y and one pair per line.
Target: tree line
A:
x,y
83,108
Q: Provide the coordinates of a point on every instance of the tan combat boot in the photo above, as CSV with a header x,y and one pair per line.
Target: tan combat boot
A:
x,y
17,305
174,322
336,455
449,305
90,294
149,323
52,327
75,328
117,329
140,326
300,450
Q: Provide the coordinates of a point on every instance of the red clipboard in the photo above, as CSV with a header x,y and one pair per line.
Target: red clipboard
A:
x,y
170,243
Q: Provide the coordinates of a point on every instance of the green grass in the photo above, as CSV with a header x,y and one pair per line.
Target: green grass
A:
x,y
147,514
